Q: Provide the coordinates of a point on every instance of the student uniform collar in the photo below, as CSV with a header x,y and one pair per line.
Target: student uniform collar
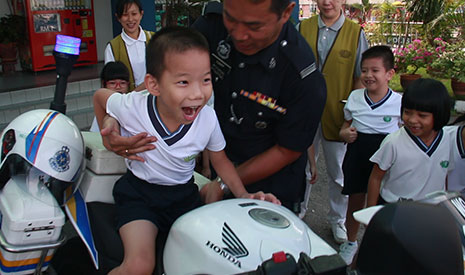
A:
x,y
460,142
168,137
129,40
374,105
428,150
268,56
336,26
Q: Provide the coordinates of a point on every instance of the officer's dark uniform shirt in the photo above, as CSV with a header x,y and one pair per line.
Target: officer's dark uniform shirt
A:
x,y
273,97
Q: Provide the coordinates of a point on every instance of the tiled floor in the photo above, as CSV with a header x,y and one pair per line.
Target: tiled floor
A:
x,y
25,79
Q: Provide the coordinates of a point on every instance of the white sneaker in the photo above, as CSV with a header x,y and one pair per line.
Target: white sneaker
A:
x,y
339,232
347,251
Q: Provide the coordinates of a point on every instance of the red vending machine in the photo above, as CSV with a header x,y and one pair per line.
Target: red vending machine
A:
x,y
46,19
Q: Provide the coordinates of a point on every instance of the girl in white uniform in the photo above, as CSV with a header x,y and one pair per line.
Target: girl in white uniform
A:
x,y
456,177
414,161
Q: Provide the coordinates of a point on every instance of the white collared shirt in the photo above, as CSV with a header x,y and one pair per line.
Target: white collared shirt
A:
x,y
326,37
136,53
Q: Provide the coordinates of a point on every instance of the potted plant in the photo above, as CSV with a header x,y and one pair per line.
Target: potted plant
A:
x,y
12,32
450,63
410,58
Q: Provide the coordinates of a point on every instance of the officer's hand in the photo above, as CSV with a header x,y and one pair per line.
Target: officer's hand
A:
x,y
127,147
211,192
262,196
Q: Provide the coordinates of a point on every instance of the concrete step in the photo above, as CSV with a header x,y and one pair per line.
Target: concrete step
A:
x,y
78,102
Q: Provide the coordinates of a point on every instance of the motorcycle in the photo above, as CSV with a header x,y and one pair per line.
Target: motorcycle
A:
x,y
227,237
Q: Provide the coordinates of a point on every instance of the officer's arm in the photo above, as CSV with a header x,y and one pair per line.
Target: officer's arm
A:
x,y
266,164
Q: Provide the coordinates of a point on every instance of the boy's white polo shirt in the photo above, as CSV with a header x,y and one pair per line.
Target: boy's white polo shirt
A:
x,y
370,117
413,171
173,160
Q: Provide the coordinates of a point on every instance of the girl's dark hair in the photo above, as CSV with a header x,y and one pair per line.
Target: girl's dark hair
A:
x,y
114,70
122,5
171,39
428,95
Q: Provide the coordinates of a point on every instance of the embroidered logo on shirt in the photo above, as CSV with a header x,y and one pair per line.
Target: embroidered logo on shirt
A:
x,y
387,118
444,163
345,53
189,158
264,100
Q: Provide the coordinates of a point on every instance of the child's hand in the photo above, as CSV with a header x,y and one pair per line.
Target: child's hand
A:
x,y
262,196
349,134
314,173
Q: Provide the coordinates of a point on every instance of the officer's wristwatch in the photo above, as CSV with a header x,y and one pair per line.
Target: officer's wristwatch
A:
x,y
223,186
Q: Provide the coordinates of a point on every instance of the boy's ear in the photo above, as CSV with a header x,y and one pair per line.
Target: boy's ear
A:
x,y
151,84
390,74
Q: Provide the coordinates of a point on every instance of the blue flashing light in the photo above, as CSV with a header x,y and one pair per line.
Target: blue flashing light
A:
x,y
67,44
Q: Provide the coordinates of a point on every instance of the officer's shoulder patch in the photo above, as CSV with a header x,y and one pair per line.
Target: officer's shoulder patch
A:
x,y
300,56
213,7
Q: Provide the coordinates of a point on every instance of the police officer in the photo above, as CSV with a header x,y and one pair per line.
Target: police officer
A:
x,y
269,97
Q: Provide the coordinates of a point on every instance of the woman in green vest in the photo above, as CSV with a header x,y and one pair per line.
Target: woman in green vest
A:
x,y
129,46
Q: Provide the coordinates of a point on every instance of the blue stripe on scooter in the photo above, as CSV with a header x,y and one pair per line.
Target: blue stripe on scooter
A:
x,y
77,212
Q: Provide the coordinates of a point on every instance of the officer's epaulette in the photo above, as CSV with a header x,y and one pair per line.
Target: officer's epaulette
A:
x,y
213,7
300,55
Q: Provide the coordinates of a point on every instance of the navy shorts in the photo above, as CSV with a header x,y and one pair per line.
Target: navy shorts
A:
x,y
137,199
357,165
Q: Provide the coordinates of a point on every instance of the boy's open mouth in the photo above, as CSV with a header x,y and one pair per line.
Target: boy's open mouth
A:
x,y
190,112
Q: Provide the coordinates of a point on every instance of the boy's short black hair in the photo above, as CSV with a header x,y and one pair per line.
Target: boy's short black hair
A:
x,y
114,70
428,95
171,39
381,51
122,5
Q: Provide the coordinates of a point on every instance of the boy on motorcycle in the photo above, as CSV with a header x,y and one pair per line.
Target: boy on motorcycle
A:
x,y
155,192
